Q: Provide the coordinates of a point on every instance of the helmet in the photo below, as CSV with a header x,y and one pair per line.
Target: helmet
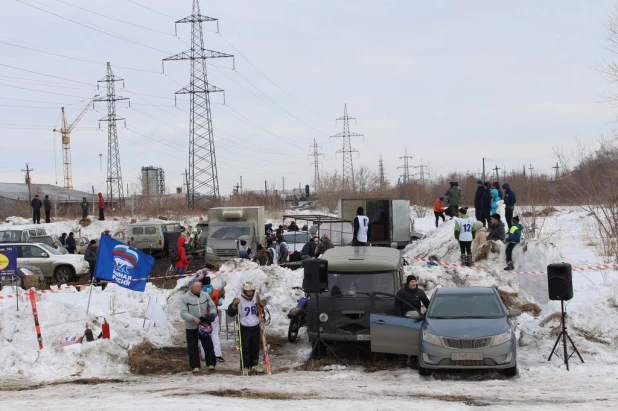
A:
x,y
248,286
205,329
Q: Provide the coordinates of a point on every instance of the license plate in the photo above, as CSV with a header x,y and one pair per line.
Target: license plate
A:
x,y
463,356
363,337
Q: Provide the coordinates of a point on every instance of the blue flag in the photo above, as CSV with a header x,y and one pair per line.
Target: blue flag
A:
x,y
123,265
8,261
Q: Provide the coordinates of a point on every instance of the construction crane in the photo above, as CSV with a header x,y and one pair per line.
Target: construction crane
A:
x,y
66,142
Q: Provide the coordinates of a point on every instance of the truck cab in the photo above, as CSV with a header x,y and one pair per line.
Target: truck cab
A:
x,y
360,281
227,225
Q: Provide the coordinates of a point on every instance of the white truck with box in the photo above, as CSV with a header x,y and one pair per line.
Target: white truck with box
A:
x,y
391,223
227,225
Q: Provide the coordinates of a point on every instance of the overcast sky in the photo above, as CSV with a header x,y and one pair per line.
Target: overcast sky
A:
x,y
451,81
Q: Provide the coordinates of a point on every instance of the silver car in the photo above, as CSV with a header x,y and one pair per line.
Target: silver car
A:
x,y
61,267
464,328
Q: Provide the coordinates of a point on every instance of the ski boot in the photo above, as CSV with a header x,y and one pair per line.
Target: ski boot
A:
x,y
463,260
256,370
509,266
469,260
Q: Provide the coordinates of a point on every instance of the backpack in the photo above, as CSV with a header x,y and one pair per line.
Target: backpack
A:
x,y
174,256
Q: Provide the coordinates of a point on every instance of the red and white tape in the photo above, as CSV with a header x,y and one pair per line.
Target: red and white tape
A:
x,y
446,264
50,291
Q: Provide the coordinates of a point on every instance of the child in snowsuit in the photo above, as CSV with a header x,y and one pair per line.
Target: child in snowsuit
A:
x,y
465,231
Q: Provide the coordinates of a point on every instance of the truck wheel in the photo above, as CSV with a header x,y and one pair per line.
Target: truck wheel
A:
x,y
64,274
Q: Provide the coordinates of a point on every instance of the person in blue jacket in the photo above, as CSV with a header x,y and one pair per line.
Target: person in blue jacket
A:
x,y
509,202
512,239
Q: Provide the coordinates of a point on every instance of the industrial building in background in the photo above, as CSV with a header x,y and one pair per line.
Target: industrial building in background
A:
x,y
203,184
153,181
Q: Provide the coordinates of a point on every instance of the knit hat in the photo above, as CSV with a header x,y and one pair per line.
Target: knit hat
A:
x,y
93,242
410,278
479,182
516,219
441,198
496,216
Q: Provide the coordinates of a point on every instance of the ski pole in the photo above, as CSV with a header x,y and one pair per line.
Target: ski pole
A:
x,y
242,363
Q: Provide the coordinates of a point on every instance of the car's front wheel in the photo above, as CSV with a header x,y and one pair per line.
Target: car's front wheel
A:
x,y
510,372
422,371
64,274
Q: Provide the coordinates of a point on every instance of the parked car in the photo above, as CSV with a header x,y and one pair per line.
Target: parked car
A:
x,y
23,272
81,244
19,233
463,328
63,268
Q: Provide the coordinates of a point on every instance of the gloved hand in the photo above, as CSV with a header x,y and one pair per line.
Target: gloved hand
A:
x,y
235,303
206,319
457,235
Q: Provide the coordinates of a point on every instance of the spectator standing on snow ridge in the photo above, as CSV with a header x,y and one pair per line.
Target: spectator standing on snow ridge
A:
x,y
410,296
486,204
47,206
438,210
509,201
71,245
478,200
101,207
196,308
182,264
84,205
36,205
496,185
453,197
362,228
513,239
495,198
496,229
465,232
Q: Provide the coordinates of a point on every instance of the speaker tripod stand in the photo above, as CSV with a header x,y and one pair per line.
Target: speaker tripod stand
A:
x,y
564,335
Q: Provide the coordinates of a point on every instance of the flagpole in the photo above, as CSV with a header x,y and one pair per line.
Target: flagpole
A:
x,y
144,325
90,294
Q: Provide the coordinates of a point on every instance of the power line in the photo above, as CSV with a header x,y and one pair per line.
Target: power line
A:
x,y
46,75
153,10
92,28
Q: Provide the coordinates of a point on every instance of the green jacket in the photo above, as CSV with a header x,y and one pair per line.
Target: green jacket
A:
x,y
453,196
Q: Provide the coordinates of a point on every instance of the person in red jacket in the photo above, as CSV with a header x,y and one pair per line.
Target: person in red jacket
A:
x,y
182,264
101,208
438,210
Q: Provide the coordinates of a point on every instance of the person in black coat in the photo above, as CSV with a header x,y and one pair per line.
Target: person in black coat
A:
x,y
478,200
63,239
36,205
486,204
410,296
496,229
308,250
47,205
71,245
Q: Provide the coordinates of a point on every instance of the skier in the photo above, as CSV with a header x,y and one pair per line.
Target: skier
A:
x,y
362,228
182,264
465,232
438,210
453,196
196,308
84,205
217,299
509,201
47,205
512,239
36,205
247,308
101,207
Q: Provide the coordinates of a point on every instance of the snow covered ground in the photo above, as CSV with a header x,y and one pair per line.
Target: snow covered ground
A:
x,y
542,385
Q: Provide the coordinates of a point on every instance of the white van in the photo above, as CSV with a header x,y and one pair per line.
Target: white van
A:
x,y
154,237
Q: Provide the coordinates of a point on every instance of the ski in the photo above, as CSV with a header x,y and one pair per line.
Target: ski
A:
x,y
35,313
264,343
